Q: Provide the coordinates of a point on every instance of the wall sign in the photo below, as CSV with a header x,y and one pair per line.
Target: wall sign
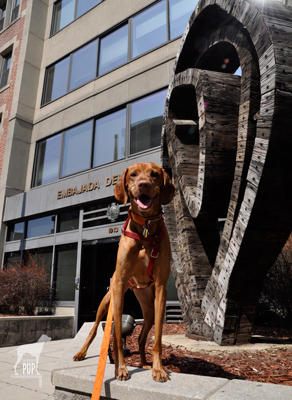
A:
x,y
86,187
115,229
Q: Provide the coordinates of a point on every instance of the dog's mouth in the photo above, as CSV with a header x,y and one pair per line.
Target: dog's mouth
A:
x,y
144,201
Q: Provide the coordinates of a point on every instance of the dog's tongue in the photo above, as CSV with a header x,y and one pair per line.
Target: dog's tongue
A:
x,y
144,201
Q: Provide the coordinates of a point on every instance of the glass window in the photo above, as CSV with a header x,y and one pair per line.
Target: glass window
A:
x,y
109,140
15,231
40,226
146,122
66,257
12,259
85,5
68,221
77,149
113,50
83,66
149,29
6,63
179,14
47,164
15,10
56,80
41,257
63,14
2,15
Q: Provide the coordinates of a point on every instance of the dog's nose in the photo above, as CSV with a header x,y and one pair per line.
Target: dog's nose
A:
x,y
143,184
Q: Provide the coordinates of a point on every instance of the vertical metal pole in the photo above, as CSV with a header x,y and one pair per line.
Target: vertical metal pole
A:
x,y
78,270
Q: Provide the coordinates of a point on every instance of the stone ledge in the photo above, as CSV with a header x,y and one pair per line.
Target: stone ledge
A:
x,y
28,329
75,380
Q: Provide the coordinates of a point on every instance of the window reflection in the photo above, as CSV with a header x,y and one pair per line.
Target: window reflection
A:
x,y
12,260
113,50
83,67
56,80
6,63
179,14
107,142
66,257
15,231
41,257
63,14
68,221
40,226
110,135
77,149
47,165
146,122
149,29
85,5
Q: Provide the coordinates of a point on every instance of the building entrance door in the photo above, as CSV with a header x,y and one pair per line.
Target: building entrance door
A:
x,y
98,262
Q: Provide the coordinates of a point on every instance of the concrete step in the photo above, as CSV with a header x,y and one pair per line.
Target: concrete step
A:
x,y
75,380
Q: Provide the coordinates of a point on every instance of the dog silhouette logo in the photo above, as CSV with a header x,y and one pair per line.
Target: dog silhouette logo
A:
x,y
30,366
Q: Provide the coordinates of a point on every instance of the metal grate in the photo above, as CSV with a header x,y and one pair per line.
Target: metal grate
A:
x,y
97,215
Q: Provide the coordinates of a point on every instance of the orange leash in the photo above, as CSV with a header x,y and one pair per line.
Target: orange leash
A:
x,y
103,353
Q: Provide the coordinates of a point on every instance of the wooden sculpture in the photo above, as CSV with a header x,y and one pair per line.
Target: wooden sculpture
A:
x,y
227,144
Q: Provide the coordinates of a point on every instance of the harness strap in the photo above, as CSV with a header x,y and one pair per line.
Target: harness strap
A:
x,y
156,240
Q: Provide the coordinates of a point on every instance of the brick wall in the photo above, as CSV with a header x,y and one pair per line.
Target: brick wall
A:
x,y
12,34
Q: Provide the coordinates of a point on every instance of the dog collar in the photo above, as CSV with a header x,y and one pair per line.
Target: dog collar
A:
x,y
145,222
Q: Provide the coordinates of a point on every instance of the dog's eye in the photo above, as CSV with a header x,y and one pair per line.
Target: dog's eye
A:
x,y
154,174
133,174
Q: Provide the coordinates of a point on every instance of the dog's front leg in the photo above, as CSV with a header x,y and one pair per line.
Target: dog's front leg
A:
x,y
121,371
158,373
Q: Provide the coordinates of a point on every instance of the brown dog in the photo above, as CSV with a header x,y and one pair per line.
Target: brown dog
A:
x,y
143,262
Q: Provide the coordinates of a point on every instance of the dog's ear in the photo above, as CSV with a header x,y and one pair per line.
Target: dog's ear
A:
x,y
121,189
167,190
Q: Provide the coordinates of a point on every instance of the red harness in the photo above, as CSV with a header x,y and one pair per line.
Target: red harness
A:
x,y
156,240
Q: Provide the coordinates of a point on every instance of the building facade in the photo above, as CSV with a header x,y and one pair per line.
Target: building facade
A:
x,y
82,92
83,98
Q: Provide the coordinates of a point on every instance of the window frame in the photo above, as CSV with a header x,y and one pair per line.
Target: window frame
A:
x,y
167,28
3,9
14,6
97,40
75,17
91,120
35,164
128,155
3,62
128,21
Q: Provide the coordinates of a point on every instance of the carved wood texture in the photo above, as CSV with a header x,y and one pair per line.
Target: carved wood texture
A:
x,y
227,143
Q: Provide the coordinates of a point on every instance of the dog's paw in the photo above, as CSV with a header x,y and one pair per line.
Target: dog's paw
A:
x,y
159,375
122,373
79,356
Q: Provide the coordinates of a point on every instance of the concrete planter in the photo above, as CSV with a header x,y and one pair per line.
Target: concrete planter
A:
x,y
28,329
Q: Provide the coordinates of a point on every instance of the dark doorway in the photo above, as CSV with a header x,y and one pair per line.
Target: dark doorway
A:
x,y
98,262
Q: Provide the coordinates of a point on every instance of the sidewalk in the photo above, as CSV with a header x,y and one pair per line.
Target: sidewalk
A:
x,y
27,385
76,379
